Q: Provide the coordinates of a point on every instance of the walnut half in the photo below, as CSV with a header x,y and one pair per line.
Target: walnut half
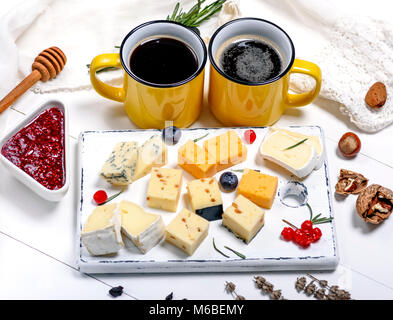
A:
x,y
375,204
350,182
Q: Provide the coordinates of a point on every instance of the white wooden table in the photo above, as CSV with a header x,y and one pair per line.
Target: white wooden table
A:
x,y
37,249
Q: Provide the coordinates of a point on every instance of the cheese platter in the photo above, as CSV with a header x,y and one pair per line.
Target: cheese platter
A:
x,y
179,208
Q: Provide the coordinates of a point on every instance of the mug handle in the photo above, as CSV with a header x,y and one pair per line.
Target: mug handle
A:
x,y
311,69
107,91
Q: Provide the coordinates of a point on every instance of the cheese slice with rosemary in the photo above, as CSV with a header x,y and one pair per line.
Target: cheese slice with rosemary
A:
x,y
101,233
153,153
119,168
144,229
315,141
289,152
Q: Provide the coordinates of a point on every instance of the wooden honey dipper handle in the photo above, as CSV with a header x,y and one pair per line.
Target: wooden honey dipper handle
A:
x,y
47,65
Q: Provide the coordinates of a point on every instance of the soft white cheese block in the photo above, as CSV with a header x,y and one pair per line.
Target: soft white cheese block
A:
x,y
119,168
300,160
101,233
144,229
315,141
153,153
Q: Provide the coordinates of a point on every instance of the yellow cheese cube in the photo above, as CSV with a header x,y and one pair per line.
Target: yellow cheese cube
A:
x,y
258,187
164,188
196,161
187,231
227,148
243,218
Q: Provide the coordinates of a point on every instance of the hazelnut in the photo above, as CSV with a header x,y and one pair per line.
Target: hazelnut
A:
x,y
349,144
375,203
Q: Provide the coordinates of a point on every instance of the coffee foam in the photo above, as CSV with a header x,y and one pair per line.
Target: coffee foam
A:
x,y
225,44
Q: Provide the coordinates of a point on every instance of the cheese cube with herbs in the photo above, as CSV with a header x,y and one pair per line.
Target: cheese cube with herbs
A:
x,y
153,153
119,168
101,232
187,231
205,198
258,187
144,229
196,161
227,148
164,188
244,218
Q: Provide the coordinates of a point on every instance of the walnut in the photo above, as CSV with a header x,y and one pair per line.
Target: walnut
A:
x,y
350,182
375,203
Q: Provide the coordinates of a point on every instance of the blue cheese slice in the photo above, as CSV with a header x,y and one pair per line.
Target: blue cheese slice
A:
x,y
119,168
101,233
153,153
144,229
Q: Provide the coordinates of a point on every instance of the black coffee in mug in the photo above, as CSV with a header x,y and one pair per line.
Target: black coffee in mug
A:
x,y
163,60
252,59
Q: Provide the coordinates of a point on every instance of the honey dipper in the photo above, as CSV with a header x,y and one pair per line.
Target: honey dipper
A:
x,y
47,65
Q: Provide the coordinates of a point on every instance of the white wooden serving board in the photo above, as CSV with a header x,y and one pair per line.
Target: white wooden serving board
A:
x,y
266,252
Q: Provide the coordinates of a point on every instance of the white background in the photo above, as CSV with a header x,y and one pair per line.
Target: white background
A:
x,y
37,247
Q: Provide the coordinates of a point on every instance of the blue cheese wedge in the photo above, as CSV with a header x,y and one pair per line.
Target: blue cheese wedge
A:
x,y
144,229
101,233
244,218
119,168
153,153
164,189
300,160
205,198
187,231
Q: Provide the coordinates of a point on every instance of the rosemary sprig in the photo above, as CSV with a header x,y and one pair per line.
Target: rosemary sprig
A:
x,y
103,69
317,219
235,252
111,198
196,15
200,138
242,170
219,251
295,145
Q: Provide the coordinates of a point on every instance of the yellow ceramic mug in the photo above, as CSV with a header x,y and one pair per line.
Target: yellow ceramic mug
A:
x,y
241,103
150,105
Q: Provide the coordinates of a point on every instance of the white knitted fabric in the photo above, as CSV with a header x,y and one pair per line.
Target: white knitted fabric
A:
x,y
358,53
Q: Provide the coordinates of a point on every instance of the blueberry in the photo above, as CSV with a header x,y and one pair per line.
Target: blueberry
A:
x,y
228,181
116,291
171,135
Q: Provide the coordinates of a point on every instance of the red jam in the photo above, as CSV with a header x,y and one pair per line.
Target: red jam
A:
x,y
38,149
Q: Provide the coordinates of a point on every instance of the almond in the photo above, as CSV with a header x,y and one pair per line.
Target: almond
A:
x,y
376,95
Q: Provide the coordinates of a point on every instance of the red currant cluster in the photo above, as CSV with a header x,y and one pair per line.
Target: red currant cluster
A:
x,y
303,236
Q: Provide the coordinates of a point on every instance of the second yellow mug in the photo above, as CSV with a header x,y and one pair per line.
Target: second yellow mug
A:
x,y
240,103
150,105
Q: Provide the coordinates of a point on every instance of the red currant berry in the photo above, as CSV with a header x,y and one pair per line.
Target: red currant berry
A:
x,y
250,136
287,234
306,225
100,196
316,234
298,236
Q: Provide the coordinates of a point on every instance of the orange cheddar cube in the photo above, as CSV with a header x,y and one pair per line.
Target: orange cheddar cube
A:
x,y
196,161
227,148
258,187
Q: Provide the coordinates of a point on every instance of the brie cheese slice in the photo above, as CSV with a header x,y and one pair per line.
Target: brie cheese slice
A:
x,y
315,141
300,160
101,233
144,229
